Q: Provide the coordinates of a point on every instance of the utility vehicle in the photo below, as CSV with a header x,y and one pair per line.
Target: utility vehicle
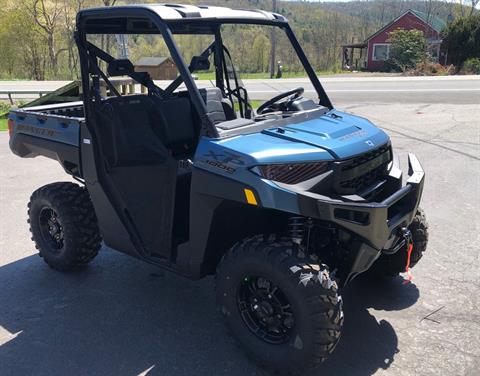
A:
x,y
284,204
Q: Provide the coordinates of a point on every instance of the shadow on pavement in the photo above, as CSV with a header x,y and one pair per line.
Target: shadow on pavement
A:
x,y
122,317
366,344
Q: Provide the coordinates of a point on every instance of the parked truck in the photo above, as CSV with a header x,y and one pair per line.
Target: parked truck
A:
x,y
284,205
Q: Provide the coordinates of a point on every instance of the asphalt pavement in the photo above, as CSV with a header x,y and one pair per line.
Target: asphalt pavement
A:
x,y
122,317
340,88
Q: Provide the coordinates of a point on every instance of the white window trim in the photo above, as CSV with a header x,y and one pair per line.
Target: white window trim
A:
x,y
380,44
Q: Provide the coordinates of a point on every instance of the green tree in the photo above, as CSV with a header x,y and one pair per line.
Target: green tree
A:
x,y
407,48
36,35
47,15
22,48
462,39
260,52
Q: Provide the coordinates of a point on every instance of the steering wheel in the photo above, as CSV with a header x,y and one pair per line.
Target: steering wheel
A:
x,y
295,93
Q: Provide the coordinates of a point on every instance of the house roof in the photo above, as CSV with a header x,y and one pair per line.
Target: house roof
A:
x,y
151,61
434,22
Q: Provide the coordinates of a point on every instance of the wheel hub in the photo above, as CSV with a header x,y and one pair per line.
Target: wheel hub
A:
x,y
265,310
51,229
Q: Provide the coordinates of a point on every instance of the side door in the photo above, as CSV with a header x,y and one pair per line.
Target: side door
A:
x,y
131,177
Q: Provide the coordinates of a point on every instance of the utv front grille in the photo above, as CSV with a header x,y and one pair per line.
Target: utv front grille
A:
x,y
365,180
357,174
364,158
292,173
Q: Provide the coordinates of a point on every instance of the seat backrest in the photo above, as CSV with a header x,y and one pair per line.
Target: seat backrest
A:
x,y
213,100
218,107
177,123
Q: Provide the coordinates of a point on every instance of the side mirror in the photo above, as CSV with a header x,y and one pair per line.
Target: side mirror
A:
x,y
200,63
122,67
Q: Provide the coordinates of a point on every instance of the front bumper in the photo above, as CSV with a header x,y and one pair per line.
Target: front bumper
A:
x,y
376,224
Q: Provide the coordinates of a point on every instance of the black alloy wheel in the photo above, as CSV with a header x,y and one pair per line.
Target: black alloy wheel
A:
x,y
265,310
51,228
64,225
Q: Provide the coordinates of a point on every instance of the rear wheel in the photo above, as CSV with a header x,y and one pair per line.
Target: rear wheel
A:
x,y
284,311
63,225
393,265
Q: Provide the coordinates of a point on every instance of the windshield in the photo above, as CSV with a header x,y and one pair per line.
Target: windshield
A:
x,y
262,52
251,64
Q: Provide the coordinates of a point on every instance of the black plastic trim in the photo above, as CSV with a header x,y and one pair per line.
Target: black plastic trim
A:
x,y
68,156
208,192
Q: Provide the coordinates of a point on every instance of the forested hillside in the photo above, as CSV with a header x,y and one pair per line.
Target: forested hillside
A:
x,y
36,35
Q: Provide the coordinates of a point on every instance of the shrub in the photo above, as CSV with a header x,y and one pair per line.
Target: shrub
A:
x,y
4,109
428,68
471,66
390,66
462,39
407,48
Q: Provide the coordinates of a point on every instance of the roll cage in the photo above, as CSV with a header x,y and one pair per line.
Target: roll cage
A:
x,y
167,20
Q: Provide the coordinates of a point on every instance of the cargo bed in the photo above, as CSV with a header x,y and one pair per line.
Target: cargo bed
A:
x,y
52,131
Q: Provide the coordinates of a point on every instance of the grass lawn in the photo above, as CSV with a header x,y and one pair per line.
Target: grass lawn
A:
x,y
255,104
3,124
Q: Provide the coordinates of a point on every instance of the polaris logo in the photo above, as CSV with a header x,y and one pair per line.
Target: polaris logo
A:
x,y
370,143
37,131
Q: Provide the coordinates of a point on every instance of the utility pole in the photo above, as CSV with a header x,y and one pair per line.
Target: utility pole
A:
x,y
122,44
273,42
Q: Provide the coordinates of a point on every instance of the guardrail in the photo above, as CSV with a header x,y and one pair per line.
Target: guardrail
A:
x,y
11,93
122,84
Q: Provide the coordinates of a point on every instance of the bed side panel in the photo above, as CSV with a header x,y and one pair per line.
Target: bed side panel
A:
x,y
51,127
52,136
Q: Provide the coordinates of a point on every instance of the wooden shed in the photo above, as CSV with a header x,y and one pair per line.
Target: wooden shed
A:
x,y
159,68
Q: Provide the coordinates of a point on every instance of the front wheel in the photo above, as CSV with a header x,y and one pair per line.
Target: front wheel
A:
x,y
284,311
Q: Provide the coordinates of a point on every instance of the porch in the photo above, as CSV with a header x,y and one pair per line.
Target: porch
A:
x,y
354,56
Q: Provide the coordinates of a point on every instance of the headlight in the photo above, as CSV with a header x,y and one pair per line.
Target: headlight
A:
x,y
291,173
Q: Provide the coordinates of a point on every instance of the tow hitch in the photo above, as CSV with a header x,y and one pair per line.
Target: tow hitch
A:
x,y
405,239
407,236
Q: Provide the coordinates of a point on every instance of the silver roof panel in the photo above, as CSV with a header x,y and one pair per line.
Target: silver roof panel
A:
x,y
172,12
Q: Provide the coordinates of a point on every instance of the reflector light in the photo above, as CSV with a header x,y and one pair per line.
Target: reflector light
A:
x,y
10,124
250,196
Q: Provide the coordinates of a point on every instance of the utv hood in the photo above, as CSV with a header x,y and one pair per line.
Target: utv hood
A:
x,y
334,135
341,134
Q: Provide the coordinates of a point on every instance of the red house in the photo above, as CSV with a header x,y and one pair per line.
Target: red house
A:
x,y
375,50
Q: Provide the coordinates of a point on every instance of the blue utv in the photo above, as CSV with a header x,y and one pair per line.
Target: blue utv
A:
x,y
284,204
